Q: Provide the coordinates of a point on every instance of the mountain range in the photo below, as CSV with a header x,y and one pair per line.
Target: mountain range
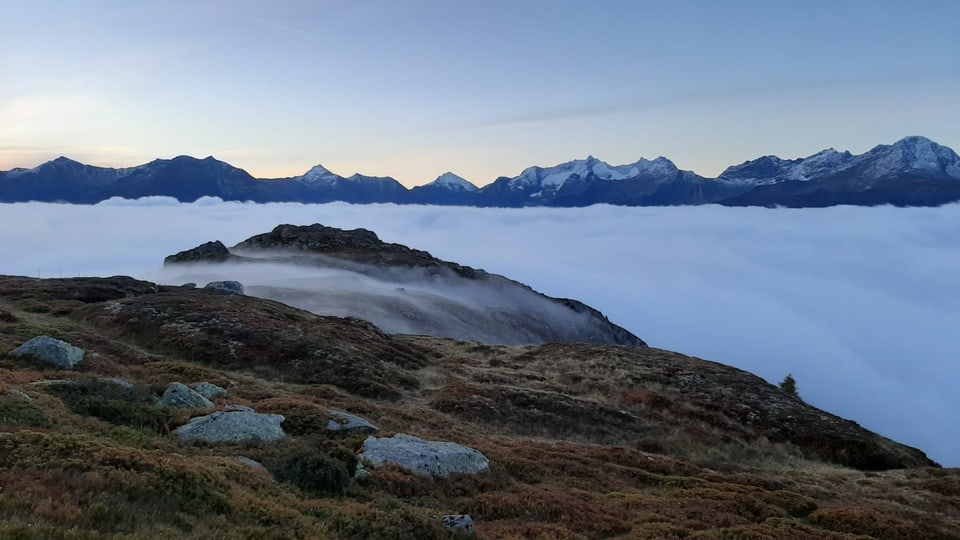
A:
x,y
913,171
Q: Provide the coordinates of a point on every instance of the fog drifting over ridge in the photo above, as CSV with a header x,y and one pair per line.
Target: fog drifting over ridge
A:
x,y
860,304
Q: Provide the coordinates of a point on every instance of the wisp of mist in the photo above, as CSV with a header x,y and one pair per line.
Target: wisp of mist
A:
x,y
859,304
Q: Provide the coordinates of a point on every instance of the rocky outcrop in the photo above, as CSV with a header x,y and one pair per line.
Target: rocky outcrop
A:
x,y
224,427
58,353
182,396
430,296
349,423
209,252
422,457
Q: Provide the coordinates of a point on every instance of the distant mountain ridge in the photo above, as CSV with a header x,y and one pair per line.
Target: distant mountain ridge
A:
x,y
913,171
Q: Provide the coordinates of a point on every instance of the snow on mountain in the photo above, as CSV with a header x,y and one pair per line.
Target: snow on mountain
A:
x,y
454,182
910,154
319,175
554,177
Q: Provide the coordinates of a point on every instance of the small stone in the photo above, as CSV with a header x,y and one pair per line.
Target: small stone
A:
x,y
181,396
349,423
253,463
51,350
20,395
459,522
360,472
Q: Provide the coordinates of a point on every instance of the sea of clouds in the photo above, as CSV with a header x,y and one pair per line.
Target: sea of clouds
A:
x,y
861,305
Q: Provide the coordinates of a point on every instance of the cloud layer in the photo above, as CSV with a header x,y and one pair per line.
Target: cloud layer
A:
x,y
860,304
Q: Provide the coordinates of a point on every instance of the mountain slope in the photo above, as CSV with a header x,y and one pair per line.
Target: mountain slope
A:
x,y
583,441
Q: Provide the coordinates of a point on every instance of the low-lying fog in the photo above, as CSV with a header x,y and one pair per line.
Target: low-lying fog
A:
x,y
861,305
402,300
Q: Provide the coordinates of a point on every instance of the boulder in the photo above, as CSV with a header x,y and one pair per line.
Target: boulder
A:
x,y
181,396
52,351
422,457
237,426
459,522
209,390
232,287
348,423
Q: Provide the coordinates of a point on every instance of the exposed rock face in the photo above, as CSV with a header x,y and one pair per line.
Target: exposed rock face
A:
x,y
53,351
408,291
209,390
233,427
348,423
232,287
182,396
209,252
422,457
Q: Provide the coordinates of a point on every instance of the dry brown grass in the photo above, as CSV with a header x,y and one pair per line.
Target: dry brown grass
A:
x,y
584,442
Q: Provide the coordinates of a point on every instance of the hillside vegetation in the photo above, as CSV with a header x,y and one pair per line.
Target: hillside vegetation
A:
x,y
584,441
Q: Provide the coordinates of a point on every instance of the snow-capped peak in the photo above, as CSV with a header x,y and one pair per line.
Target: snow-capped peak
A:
x,y
912,153
554,177
452,181
319,174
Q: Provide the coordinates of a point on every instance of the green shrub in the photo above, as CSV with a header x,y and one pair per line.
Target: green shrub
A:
x,y
18,412
789,385
116,403
313,472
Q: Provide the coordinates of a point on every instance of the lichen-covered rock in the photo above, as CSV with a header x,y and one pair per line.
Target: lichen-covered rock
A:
x,y
232,427
459,522
349,423
52,351
209,390
422,457
232,287
182,396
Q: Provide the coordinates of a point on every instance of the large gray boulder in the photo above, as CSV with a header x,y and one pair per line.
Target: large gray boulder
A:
x,y
52,351
232,287
182,396
237,426
209,390
422,457
349,423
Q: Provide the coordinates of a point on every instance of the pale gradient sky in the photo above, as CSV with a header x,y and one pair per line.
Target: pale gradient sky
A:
x,y
414,88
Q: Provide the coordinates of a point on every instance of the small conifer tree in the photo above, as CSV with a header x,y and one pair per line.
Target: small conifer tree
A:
x,y
789,385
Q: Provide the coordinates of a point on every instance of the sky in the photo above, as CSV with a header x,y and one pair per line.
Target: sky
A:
x,y
859,304
415,88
